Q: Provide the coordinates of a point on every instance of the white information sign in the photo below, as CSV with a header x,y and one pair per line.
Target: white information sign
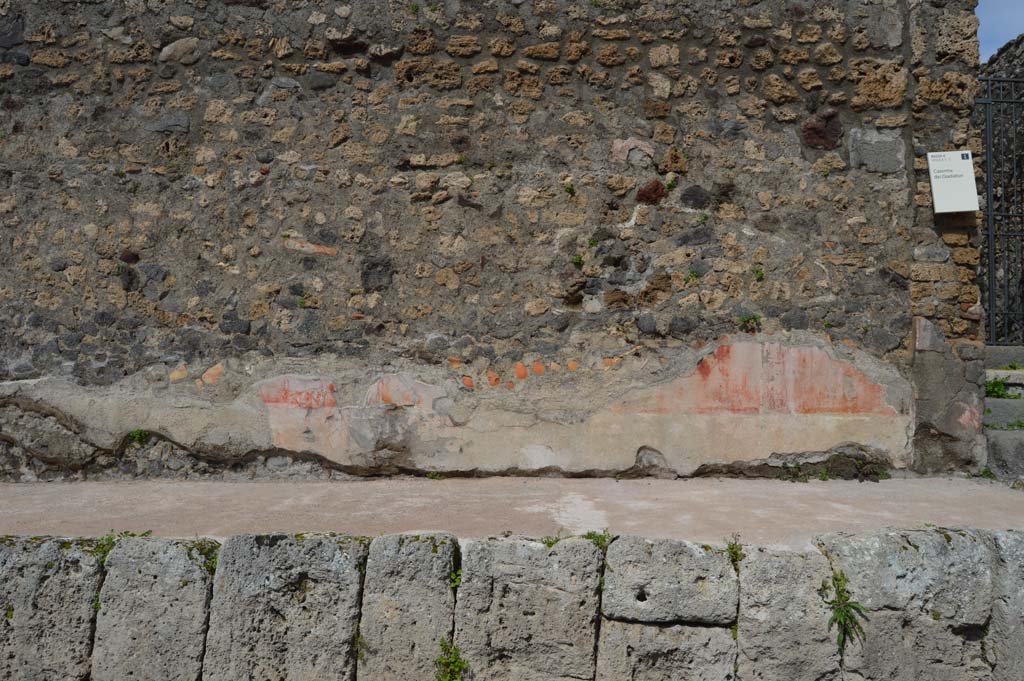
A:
x,y
953,187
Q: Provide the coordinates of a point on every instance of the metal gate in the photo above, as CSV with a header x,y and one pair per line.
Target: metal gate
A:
x,y
1002,104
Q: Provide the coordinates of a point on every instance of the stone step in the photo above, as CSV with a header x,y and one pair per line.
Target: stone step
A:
x,y
999,356
1006,453
1001,412
1013,379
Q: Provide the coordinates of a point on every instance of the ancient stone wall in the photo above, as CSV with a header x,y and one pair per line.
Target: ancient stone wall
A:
x,y
593,237
937,604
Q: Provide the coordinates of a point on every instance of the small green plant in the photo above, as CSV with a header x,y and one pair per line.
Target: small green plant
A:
x,y
577,261
672,184
1013,366
600,539
692,275
9,614
462,160
139,437
703,218
823,475
793,473
758,273
996,388
595,4
434,475
845,611
734,549
101,547
751,323
570,189
449,664
550,540
360,646
455,579
827,324
1015,425
205,551
302,303
987,473
414,8
592,242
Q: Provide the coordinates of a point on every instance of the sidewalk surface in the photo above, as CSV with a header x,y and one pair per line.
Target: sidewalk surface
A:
x,y
765,512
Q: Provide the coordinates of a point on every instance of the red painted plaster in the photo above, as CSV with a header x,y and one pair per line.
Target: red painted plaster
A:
x,y
766,378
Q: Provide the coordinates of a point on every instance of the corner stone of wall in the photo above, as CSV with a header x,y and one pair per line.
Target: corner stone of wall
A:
x,y
942,603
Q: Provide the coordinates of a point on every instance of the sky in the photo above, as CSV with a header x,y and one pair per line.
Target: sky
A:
x,y
1001,22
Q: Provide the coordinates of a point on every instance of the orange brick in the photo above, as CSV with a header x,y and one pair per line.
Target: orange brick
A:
x,y
538,368
493,378
521,371
468,382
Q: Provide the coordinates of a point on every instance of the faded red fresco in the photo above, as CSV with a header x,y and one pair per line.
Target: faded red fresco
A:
x,y
304,414
401,390
766,378
302,393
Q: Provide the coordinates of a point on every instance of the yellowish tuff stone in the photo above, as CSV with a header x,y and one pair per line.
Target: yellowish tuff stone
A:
x,y
213,374
778,91
537,307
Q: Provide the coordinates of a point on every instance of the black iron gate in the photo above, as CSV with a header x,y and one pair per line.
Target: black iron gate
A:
x,y
1002,105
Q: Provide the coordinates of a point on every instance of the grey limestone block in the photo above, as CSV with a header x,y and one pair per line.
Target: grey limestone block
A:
x,y
1006,632
669,581
929,596
408,605
645,652
528,612
153,610
47,594
782,630
879,151
285,607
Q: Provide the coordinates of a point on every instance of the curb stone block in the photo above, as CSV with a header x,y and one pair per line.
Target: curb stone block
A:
x,y
47,597
285,607
669,581
153,608
1007,628
664,653
929,597
408,606
527,612
783,622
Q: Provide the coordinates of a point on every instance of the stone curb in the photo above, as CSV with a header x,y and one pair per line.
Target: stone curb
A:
x,y
939,603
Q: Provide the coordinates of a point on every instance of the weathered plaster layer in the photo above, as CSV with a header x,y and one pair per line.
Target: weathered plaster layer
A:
x,y
743,400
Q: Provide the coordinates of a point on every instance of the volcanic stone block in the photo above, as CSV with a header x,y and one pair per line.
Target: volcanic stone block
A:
x,y
285,607
1005,639
783,621
153,609
527,612
664,653
669,581
879,151
408,605
47,591
929,596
